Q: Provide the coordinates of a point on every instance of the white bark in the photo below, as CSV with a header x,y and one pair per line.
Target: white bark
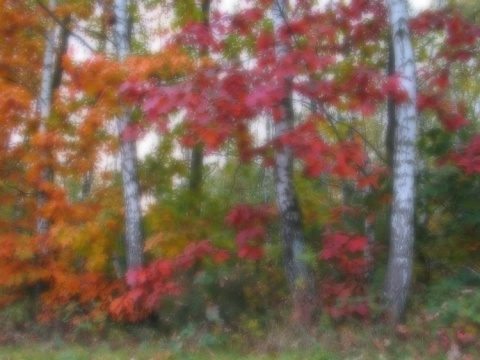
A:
x,y
128,153
402,217
297,273
122,43
44,104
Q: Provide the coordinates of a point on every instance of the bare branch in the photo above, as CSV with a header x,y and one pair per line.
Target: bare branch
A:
x,y
64,27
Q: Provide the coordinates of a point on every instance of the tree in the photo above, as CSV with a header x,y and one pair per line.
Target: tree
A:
x,y
402,217
298,275
196,164
225,95
44,110
128,152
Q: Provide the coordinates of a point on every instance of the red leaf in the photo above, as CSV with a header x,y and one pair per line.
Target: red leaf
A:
x,y
362,309
357,244
469,158
151,301
427,101
221,256
327,254
265,96
367,108
465,338
265,41
131,277
453,122
132,91
393,88
251,253
131,132
135,295
242,22
164,269
442,81
252,235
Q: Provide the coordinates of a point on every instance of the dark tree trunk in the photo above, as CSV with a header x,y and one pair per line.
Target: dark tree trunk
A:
x,y
196,164
196,169
391,122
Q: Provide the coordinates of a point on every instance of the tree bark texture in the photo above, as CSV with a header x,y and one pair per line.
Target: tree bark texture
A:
x,y
128,154
62,50
402,218
87,182
391,122
298,275
44,109
196,169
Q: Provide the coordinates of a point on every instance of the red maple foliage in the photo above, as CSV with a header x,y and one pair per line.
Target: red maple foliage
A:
x,y
468,159
250,223
343,293
149,285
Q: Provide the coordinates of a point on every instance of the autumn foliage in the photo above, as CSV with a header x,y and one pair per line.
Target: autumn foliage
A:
x,y
162,278
220,88
344,293
251,226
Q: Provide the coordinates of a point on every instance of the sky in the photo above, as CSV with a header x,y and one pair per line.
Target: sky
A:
x,y
420,4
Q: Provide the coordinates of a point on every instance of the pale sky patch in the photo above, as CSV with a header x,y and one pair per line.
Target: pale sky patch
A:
x,y
420,5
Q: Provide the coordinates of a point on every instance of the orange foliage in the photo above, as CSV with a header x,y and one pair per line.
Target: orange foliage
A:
x,y
75,262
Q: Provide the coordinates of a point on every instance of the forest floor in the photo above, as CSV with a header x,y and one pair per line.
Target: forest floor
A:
x,y
352,342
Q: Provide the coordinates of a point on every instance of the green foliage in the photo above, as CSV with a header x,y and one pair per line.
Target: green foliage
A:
x,y
217,300
448,215
456,300
186,11
15,316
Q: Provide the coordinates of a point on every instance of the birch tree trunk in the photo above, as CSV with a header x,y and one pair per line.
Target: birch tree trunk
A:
x,y
44,109
298,276
128,153
402,218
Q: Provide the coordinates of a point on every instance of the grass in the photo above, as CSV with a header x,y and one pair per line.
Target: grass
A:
x,y
344,342
144,351
419,339
102,353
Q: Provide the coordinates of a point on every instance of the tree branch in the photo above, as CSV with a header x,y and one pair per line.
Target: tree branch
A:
x,y
64,27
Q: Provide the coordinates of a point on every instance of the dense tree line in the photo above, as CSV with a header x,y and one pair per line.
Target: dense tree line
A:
x,y
325,154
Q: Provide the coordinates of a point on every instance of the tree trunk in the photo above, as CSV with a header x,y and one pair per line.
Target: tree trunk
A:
x,y
402,217
128,154
196,164
196,170
62,50
391,122
88,177
44,109
298,276
87,182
